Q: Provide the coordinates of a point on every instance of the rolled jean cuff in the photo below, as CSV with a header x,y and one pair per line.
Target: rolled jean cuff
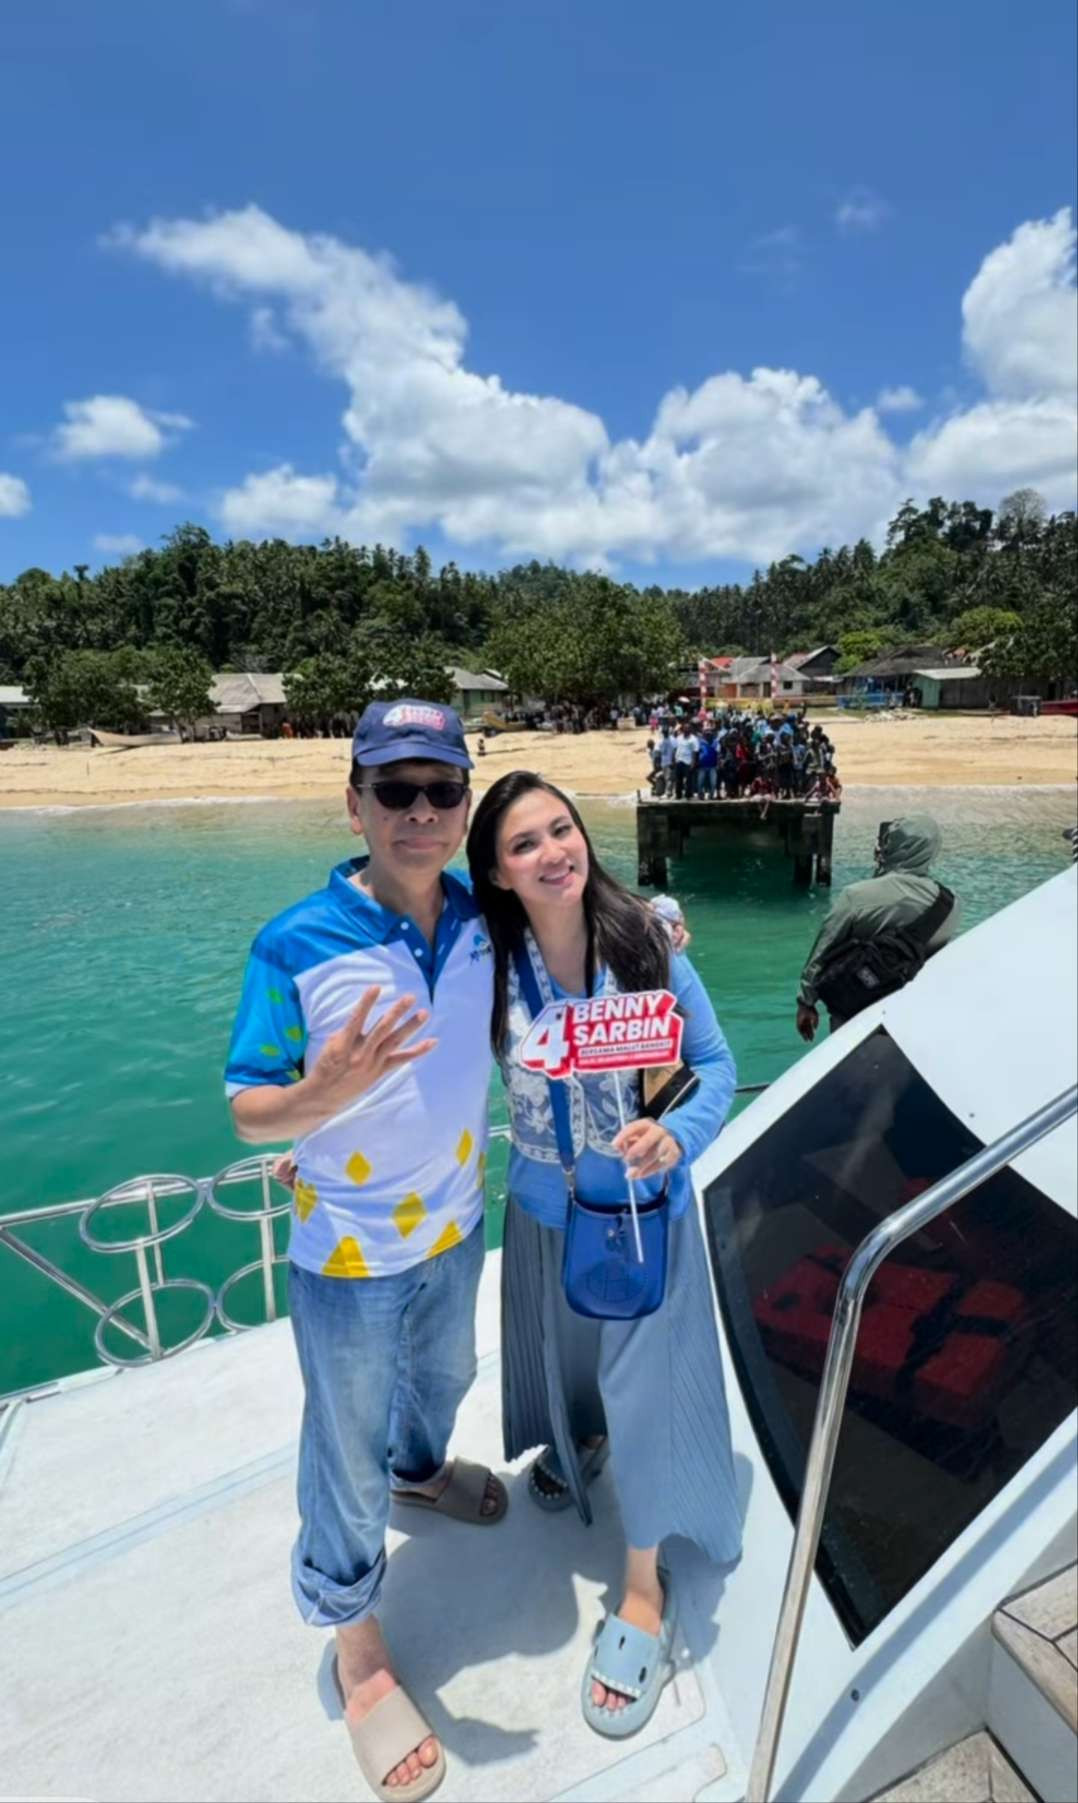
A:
x,y
324,1604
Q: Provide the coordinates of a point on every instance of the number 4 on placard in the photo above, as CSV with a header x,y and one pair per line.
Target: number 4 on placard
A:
x,y
547,1045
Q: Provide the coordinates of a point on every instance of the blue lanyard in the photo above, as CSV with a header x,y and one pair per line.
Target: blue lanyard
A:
x,y
558,1103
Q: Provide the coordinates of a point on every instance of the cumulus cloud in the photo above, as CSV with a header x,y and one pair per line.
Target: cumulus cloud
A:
x,y
118,544
14,497
148,488
1018,313
744,466
902,399
861,211
280,501
113,425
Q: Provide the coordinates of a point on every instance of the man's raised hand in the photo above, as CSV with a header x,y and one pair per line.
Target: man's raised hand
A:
x,y
356,1057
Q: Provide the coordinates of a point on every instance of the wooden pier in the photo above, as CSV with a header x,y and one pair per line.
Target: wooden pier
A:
x,y
803,829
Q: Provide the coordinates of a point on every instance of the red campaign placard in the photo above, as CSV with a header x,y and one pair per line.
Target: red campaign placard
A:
x,y
609,1033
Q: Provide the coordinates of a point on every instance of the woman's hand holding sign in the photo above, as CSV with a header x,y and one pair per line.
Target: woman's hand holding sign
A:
x,y
648,1148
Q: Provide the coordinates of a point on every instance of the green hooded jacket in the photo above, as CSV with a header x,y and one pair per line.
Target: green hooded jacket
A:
x,y
901,894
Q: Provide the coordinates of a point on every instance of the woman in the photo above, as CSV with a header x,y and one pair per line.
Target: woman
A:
x,y
646,1392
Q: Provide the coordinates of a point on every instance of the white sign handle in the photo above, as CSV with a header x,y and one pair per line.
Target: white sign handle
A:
x,y
628,1179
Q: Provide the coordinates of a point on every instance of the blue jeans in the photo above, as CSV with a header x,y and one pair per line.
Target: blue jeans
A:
x,y
385,1364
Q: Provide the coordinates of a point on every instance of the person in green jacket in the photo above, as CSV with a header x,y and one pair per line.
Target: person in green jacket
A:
x,y
900,893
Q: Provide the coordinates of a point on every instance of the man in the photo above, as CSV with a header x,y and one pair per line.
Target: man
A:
x,y
707,766
667,751
685,749
389,1136
901,895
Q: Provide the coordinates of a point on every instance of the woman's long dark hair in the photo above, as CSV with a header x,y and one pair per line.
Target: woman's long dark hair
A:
x,y
623,933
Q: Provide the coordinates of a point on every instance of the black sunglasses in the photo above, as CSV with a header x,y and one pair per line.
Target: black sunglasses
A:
x,y
442,793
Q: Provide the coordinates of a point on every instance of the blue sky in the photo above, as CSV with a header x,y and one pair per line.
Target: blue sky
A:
x,y
664,288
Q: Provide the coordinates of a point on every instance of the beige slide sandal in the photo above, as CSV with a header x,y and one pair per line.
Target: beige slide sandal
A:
x,y
463,1497
385,1736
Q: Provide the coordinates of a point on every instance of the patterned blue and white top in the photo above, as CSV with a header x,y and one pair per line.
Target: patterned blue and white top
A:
x,y
399,1176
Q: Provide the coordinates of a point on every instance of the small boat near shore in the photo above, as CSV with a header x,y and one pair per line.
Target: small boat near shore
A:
x,y
131,741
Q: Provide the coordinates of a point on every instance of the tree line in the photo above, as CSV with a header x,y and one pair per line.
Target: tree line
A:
x,y
338,618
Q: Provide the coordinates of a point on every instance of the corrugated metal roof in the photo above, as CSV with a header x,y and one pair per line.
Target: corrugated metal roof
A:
x,y
963,674
470,679
12,696
243,690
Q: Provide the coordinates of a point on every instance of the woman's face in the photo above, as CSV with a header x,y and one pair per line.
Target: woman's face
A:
x,y
542,854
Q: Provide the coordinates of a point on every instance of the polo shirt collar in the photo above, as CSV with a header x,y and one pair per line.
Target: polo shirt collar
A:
x,y
375,924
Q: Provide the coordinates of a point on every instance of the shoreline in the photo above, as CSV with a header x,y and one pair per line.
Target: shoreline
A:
x,y
916,751
626,800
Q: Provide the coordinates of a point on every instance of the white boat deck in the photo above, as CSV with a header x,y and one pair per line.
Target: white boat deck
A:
x,y
150,1647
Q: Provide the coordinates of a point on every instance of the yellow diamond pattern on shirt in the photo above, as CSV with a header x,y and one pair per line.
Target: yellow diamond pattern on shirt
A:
x,y
275,995
346,1261
452,1236
482,1168
294,1076
305,1197
464,1147
358,1168
293,1032
270,1051
408,1214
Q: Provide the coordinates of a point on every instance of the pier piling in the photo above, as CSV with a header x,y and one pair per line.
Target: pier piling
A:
x,y
803,830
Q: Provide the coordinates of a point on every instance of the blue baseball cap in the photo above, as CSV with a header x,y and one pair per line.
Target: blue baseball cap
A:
x,y
390,731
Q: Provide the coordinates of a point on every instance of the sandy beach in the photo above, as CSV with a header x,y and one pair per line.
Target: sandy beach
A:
x,y
918,750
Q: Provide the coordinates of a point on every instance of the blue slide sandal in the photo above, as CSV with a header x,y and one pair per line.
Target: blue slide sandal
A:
x,y
635,1664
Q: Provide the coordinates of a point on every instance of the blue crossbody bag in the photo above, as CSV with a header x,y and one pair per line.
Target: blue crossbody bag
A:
x,y
600,1273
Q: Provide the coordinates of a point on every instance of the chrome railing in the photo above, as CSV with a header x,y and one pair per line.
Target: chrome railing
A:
x,y
148,1193
831,1402
147,1246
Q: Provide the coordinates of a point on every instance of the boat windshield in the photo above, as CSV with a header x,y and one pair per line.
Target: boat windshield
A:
x,y
966,1356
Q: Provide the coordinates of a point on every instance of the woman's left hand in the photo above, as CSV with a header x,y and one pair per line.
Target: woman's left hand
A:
x,y
647,1148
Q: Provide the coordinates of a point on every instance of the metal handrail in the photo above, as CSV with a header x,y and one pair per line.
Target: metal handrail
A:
x,y
831,1403
151,1190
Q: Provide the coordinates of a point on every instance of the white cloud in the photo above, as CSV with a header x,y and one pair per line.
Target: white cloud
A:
x,y
745,466
266,335
1018,313
119,544
148,488
280,502
14,497
112,425
776,253
861,211
902,399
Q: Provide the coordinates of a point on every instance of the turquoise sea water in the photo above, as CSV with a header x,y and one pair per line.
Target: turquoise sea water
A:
x,y
123,934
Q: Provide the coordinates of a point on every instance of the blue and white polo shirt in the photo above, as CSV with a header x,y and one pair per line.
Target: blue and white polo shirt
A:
x,y
398,1177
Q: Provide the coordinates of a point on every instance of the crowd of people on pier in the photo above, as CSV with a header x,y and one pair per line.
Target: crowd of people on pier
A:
x,y
730,754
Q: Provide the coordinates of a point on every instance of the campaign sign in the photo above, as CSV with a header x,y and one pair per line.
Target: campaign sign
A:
x,y
608,1033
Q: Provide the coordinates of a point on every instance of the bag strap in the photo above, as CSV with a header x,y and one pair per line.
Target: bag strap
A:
x,y
924,929
559,1106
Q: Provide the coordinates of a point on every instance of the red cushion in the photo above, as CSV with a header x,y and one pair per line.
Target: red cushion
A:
x,y
883,1346
992,1301
958,1384
907,1287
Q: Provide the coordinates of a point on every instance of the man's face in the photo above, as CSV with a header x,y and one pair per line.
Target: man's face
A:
x,y
417,840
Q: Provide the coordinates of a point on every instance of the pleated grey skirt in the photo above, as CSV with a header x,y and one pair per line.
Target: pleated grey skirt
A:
x,y
654,1386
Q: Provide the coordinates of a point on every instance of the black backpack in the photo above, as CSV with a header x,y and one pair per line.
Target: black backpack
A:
x,y
865,970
